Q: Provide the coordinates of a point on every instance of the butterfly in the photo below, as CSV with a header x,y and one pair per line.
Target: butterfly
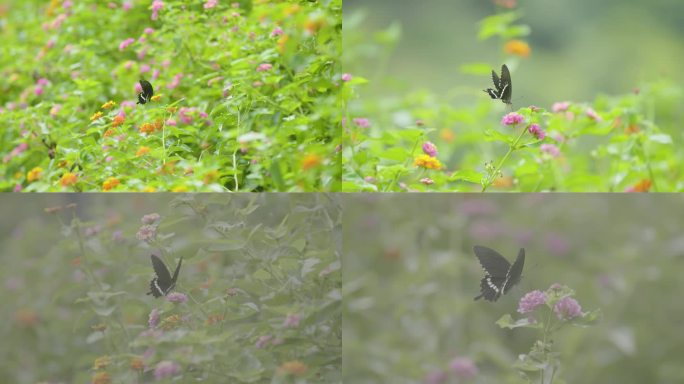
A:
x,y
503,86
500,275
147,92
163,283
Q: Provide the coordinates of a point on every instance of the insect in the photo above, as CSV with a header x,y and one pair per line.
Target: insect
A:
x,y
163,283
500,275
51,147
147,92
503,86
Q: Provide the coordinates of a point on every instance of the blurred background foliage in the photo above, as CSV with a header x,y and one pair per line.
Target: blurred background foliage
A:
x,y
410,277
262,272
578,48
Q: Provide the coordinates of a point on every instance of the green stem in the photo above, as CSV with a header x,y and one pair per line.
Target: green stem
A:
x,y
511,148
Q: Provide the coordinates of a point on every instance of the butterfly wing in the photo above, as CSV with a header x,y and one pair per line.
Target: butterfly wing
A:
x,y
147,92
515,272
496,80
159,285
492,262
175,274
506,88
490,288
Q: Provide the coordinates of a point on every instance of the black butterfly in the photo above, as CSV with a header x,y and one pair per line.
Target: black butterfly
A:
x,y
147,92
503,86
163,283
500,275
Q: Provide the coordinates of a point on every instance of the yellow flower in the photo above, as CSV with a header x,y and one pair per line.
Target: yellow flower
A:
x,y
170,322
101,378
149,189
156,97
108,104
68,179
291,10
293,367
101,363
34,174
517,47
428,162
282,41
96,116
310,161
110,183
142,151
180,188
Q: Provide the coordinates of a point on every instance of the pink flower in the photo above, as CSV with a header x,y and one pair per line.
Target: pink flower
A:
x,y
593,115
292,320
567,308
67,4
550,149
264,67
152,218
370,179
463,367
361,122
177,297
277,31
153,319
536,131
210,4
166,369
427,181
512,119
55,110
38,90
124,44
156,6
185,115
155,74
17,188
436,377
141,54
346,77
560,106
146,233
430,149
127,5
144,68
531,301
176,80
148,31
43,81
171,122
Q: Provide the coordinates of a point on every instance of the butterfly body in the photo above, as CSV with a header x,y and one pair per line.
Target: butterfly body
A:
x,y
502,84
500,275
147,92
163,283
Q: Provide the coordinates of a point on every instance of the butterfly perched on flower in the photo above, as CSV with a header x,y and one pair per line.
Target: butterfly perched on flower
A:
x,y
500,275
504,88
163,283
147,92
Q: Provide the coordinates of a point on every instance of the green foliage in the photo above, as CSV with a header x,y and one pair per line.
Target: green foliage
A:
x,y
629,142
246,97
262,276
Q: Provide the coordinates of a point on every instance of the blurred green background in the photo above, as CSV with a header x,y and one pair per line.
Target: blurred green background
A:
x,y
410,277
73,283
579,48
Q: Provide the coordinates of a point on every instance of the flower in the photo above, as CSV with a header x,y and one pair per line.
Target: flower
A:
x,y
277,31
560,106
142,151
153,319
34,174
311,160
436,377
427,181
101,363
292,320
427,162
430,149
137,364
68,179
293,367
531,301
642,186
567,308
550,149
361,122
151,218
156,6
593,115
517,48
108,104
264,67
346,77
124,44
536,131
165,369
148,31
512,119
210,4
110,184
55,110
463,367
146,233
96,116
177,297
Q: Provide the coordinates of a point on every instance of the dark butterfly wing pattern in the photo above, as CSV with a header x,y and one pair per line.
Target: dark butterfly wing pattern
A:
x,y
163,283
147,92
503,86
500,275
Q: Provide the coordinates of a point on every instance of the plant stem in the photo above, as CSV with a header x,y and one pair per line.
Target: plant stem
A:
x,y
511,148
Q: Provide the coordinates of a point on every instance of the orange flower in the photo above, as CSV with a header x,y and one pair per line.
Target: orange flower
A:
x,y
314,25
170,322
109,132
213,319
310,161
427,162
26,317
137,364
101,363
96,116
110,183
108,104
101,378
632,129
172,109
34,174
68,179
142,151
147,128
642,186
293,367
158,125
282,41
211,176
503,182
518,48
118,120
447,135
